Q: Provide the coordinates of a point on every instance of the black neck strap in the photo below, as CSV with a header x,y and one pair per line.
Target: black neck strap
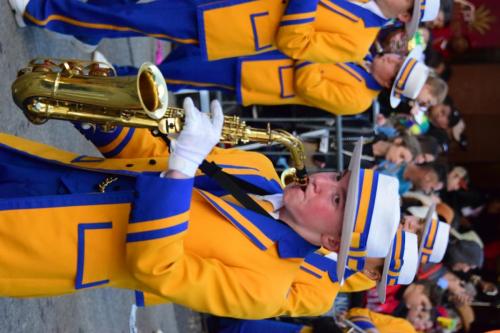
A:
x,y
236,187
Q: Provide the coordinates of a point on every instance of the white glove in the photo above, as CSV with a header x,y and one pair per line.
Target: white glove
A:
x,y
199,135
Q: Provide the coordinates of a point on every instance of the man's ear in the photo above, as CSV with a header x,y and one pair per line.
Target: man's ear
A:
x,y
406,17
372,274
330,243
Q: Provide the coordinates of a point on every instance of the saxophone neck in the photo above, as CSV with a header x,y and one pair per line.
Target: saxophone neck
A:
x,y
236,131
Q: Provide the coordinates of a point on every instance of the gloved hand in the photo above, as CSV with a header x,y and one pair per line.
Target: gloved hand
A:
x,y
199,135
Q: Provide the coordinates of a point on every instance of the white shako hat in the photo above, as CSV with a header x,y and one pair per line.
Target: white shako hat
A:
x,y
371,215
434,238
401,264
410,79
423,11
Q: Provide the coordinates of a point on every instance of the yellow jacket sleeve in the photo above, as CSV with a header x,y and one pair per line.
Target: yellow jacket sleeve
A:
x,y
328,87
311,32
312,293
125,142
382,322
357,282
159,263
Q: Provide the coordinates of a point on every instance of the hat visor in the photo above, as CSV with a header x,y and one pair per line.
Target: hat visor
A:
x,y
394,98
349,210
382,285
412,26
427,225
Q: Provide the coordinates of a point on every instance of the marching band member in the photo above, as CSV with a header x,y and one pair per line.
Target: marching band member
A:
x,y
274,79
169,233
320,30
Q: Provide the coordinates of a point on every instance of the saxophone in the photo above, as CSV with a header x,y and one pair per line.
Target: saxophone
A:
x,y
91,92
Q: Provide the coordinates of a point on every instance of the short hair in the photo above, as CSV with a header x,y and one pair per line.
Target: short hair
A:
x,y
432,291
429,145
440,168
438,87
411,142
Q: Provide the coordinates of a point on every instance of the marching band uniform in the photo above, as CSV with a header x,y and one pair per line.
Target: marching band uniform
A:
x,y
366,319
226,260
361,317
274,79
315,285
228,325
318,30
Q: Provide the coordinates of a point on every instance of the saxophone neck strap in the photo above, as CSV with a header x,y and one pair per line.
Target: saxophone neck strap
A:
x,y
238,188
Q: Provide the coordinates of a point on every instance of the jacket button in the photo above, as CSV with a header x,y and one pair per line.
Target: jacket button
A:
x,y
152,162
129,165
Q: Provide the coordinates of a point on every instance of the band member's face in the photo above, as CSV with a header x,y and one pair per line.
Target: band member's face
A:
x,y
397,43
396,8
316,212
385,68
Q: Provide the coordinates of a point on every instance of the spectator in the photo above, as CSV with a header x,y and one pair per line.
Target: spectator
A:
x,y
423,177
465,252
430,149
402,149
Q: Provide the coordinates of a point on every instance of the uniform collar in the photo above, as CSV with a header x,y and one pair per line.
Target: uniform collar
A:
x,y
372,7
356,12
263,231
370,81
327,264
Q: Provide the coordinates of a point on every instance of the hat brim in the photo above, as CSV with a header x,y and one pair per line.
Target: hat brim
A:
x,y
412,26
349,210
382,284
394,98
427,225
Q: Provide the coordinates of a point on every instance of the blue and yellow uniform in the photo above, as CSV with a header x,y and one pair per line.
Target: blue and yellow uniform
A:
x,y
367,319
312,292
158,235
228,325
314,287
274,79
317,30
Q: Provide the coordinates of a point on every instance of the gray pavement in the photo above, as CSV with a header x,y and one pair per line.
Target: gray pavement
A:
x,y
103,310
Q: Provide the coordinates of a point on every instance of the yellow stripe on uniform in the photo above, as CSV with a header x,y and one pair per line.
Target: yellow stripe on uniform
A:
x,y
113,144
350,71
102,26
158,224
312,268
341,10
225,207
